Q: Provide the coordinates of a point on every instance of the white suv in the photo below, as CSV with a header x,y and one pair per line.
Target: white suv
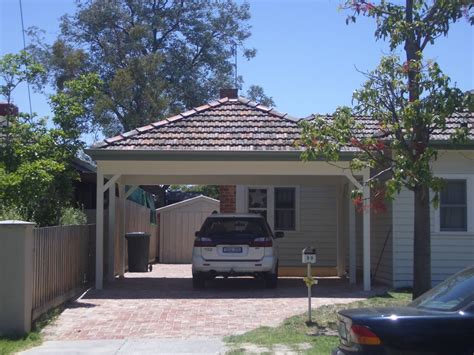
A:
x,y
235,245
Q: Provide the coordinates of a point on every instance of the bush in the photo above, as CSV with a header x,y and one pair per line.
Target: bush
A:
x,y
72,216
11,213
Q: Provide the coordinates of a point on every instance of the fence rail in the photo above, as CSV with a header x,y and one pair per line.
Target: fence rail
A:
x,y
64,264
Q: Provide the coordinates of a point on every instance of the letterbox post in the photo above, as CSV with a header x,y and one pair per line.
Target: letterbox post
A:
x,y
308,258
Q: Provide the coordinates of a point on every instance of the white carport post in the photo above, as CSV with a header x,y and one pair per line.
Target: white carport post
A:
x,y
366,231
352,239
121,188
110,275
99,232
99,241
354,183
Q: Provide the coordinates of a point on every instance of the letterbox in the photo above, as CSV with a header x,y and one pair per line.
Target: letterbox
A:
x,y
309,255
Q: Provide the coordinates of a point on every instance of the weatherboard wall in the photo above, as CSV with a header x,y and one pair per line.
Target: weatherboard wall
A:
x,y
451,251
316,223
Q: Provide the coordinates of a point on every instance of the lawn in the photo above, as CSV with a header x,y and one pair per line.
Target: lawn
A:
x,y
12,345
294,334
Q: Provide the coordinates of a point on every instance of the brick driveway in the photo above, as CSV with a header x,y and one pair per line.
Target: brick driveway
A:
x,y
163,304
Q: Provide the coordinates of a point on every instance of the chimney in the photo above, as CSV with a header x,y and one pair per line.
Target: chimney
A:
x,y
230,93
8,109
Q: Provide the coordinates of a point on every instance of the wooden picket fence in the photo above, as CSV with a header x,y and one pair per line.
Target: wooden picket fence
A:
x,y
64,256
64,264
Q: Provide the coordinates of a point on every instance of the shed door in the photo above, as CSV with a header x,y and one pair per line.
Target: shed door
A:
x,y
178,233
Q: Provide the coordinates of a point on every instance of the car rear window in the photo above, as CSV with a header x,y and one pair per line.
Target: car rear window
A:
x,y
239,227
452,294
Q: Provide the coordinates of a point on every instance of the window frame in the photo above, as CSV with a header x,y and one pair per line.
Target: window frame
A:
x,y
284,209
469,206
271,204
258,208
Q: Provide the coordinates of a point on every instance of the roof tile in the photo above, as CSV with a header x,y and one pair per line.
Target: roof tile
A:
x,y
240,125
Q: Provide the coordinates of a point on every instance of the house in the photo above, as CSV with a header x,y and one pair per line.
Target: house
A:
x,y
249,150
85,190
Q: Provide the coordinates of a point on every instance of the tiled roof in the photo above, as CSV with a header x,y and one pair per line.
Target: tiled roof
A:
x,y
224,125
240,125
371,126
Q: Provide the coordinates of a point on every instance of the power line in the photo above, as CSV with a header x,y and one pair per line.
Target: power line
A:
x,y
24,48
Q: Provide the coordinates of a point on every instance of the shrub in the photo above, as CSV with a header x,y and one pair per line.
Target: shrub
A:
x,y
11,213
72,216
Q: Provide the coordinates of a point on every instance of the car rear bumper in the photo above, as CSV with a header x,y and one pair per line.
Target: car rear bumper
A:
x,y
233,267
371,350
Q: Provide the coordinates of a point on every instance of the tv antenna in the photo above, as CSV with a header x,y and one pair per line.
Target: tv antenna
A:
x,y
234,52
24,48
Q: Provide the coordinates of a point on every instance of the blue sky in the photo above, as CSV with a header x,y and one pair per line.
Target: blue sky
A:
x,y
307,56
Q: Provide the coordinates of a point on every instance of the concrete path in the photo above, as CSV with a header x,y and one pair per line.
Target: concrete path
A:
x,y
131,346
163,304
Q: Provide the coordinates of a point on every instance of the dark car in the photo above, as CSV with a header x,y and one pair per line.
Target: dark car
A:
x,y
441,321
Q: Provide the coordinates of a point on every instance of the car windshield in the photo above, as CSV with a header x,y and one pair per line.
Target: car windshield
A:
x,y
234,227
452,294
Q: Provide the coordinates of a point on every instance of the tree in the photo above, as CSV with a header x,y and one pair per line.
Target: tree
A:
x,y
409,101
256,93
206,190
36,177
156,58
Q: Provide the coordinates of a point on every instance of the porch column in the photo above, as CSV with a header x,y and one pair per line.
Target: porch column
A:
x,y
366,233
111,236
341,245
99,232
352,239
122,229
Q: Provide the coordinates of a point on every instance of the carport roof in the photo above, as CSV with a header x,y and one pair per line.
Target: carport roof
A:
x,y
224,125
236,126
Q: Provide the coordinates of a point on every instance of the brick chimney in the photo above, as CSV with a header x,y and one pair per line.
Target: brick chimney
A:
x,y
8,109
230,93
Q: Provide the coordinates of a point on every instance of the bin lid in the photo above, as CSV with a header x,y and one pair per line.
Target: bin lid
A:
x,y
136,234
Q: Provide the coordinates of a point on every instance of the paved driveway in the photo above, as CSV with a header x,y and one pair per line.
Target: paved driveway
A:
x,y
163,304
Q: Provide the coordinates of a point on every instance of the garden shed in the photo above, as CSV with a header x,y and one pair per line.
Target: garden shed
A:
x,y
178,223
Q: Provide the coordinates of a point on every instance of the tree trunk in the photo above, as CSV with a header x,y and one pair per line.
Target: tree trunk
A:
x,y
422,242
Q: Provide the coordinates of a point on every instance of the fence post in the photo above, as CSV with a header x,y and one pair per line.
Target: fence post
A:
x,y
16,277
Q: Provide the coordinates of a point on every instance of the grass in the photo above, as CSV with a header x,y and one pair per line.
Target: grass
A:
x,y
14,344
295,334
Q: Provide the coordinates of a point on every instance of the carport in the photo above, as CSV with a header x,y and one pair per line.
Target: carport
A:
x,y
232,141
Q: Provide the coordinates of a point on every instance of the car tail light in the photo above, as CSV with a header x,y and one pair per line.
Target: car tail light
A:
x,y
363,335
262,242
203,242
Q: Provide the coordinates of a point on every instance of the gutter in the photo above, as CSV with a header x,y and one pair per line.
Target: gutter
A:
x,y
197,155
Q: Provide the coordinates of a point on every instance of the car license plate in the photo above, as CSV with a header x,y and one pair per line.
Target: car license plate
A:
x,y
232,249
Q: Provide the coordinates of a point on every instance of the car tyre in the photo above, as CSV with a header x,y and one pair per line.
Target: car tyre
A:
x,y
271,279
199,282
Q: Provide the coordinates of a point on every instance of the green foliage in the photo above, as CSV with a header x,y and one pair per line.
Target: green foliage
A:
x,y
206,190
11,213
294,332
409,102
155,58
72,107
72,216
396,153
15,344
256,93
18,68
36,176
421,23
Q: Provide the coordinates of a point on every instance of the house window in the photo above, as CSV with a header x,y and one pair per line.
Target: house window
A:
x,y
285,208
453,206
258,201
